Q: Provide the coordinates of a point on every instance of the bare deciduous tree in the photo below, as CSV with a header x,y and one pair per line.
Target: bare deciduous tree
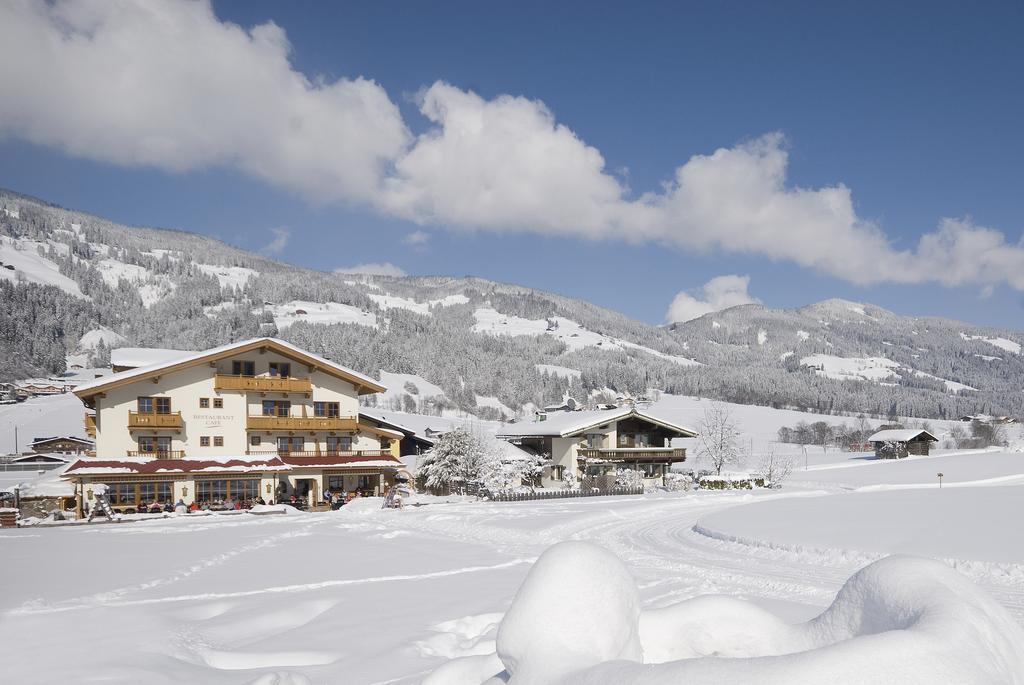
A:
x,y
719,438
775,468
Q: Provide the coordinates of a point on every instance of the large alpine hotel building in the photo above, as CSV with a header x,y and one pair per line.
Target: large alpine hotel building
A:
x,y
254,419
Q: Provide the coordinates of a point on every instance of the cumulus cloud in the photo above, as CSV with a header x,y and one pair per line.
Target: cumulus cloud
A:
x,y
276,246
168,85
372,269
717,294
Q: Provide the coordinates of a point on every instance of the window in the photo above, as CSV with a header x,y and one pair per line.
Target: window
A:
x,y
243,368
218,402
162,405
557,472
336,483
595,440
255,441
218,441
276,407
204,441
282,369
289,444
652,470
364,483
149,445
145,405
204,402
326,409
337,444
244,488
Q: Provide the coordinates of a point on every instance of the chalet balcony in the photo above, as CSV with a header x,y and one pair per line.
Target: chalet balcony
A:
x,y
90,425
225,382
321,453
301,423
627,454
142,420
158,454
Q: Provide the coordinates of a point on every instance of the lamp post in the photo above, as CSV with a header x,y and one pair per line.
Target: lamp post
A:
x,y
940,479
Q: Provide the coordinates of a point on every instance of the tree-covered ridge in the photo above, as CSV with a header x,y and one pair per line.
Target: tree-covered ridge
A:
x,y
155,288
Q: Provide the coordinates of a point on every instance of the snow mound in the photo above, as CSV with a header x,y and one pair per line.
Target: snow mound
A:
x,y
900,619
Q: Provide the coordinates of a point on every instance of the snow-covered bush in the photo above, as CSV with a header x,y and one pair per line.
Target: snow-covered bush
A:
x,y
731,481
629,478
569,480
675,482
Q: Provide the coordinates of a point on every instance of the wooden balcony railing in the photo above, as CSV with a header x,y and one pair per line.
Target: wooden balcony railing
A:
x,y
634,453
90,425
158,454
138,420
302,423
262,384
319,453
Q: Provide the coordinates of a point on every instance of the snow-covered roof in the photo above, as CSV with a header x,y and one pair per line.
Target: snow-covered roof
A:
x,y
143,465
381,419
341,461
134,357
572,423
191,359
901,435
48,484
69,438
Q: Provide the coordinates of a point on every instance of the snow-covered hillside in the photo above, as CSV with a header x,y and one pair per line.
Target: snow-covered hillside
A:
x,y
491,347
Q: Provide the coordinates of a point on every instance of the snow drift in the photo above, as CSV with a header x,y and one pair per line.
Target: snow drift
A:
x,y
576,619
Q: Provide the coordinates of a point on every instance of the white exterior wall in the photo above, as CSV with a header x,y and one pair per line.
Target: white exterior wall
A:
x,y
187,386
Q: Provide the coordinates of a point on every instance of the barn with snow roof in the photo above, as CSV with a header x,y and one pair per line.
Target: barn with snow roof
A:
x,y
896,443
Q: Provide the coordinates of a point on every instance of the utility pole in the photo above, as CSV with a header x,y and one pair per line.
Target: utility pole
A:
x,y
15,441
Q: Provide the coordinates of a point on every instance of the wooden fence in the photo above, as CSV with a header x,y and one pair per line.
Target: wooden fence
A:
x,y
559,494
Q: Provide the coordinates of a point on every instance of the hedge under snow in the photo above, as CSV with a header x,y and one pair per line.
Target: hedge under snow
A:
x,y
900,620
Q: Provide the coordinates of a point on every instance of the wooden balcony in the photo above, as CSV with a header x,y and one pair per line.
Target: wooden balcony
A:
x,y
90,425
320,453
627,454
137,420
301,423
158,454
225,382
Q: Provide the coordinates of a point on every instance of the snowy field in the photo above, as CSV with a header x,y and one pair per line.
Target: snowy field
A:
x,y
364,595
370,596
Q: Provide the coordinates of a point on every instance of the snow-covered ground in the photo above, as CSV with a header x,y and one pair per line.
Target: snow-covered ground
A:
x,y
364,595
370,596
28,264
313,312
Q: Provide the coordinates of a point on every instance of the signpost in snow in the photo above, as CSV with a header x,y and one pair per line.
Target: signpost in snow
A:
x,y
940,479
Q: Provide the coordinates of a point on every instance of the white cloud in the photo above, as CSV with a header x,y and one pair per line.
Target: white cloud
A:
x,y
168,85
373,269
719,293
416,238
276,246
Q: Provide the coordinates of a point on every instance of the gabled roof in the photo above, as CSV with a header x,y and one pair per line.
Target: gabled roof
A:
x,y
405,430
363,383
901,435
69,438
576,422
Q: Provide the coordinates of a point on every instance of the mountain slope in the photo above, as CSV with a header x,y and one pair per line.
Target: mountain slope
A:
x,y
493,349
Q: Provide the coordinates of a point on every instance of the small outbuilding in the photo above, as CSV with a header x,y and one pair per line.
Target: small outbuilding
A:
x,y
897,443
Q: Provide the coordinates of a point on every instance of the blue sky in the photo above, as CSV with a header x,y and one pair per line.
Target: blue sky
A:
x,y
914,110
